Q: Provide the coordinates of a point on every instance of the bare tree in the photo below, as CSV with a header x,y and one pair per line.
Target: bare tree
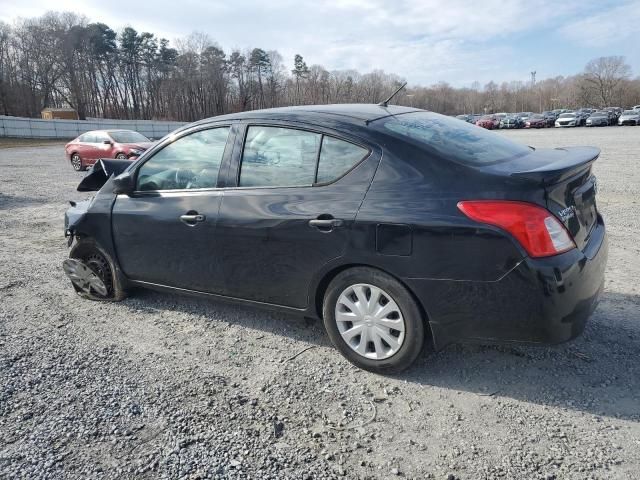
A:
x,y
602,78
60,59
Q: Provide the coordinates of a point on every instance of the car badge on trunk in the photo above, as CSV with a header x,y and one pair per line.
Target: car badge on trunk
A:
x,y
567,213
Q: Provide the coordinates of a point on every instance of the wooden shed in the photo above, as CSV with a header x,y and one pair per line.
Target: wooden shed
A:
x,y
59,114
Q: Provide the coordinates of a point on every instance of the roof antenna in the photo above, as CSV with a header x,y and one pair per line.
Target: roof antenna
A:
x,y
386,102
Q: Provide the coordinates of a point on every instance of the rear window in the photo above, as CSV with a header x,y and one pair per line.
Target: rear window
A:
x,y
461,142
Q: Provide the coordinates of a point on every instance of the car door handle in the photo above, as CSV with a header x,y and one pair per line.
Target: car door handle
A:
x,y
326,223
192,219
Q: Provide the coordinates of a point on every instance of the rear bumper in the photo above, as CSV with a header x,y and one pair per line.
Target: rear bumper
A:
x,y
542,301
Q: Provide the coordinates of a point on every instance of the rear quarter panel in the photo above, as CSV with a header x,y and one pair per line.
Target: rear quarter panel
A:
x,y
412,189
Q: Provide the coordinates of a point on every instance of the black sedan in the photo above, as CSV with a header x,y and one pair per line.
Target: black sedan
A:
x,y
396,226
511,121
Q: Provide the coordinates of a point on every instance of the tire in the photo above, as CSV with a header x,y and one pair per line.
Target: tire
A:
x,y
88,251
76,162
376,355
121,156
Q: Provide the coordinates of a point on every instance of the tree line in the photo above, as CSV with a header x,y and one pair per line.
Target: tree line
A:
x,y
61,59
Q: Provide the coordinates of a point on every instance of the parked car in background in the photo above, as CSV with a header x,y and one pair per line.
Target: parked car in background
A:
x,y
393,225
511,121
636,107
86,149
466,117
629,117
582,116
568,120
524,115
535,121
615,113
598,119
550,117
489,122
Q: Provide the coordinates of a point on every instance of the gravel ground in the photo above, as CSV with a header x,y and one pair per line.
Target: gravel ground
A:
x,y
163,386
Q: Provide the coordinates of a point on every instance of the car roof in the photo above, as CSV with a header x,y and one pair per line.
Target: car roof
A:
x,y
109,131
359,113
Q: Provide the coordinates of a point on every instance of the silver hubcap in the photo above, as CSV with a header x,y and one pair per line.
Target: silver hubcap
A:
x,y
370,321
83,277
75,161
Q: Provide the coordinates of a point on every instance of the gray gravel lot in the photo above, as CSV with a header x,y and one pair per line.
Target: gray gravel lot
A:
x,y
163,386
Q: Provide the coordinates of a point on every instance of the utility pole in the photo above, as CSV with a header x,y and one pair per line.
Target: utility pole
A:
x,y
533,86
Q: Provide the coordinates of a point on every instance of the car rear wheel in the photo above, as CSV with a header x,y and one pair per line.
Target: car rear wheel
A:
x,y
121,156
92,273
76,162
373,320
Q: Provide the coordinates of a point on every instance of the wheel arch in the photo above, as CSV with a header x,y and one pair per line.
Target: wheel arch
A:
x,y
323,284
84,246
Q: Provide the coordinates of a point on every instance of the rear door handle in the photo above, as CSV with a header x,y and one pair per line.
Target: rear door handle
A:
x,y
192,219
326,224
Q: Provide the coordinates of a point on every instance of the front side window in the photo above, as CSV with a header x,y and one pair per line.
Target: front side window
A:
x,y
192,161
337,157
276,156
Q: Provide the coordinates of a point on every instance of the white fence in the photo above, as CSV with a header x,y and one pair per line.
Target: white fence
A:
x,y
68,129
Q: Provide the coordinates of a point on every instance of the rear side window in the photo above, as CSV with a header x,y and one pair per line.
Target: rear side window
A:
x,y
287,157
461,142
275,156
337,157
88,138
101,137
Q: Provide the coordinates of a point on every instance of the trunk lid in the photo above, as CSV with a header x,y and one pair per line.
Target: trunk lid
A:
x,y
569,184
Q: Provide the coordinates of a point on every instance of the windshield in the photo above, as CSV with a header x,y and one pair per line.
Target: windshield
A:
x,y
598,114
567,115
461,142
537,117
630,112
128,136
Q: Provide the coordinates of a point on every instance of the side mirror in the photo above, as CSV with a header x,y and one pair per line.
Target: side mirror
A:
x,y
123,183
107,142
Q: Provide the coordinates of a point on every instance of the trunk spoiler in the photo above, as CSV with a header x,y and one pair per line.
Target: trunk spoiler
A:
x,y
101,171
550,166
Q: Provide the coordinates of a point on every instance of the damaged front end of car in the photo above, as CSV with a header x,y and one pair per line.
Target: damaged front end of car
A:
x,y
100,174
90,266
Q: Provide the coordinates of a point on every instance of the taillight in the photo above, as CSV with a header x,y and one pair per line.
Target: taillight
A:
x,y
538,231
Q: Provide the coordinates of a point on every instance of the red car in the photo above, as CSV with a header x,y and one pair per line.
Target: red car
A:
x,y
489,122
536,121
83,151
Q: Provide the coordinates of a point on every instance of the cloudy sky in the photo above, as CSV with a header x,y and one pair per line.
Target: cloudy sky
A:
x,y
425,41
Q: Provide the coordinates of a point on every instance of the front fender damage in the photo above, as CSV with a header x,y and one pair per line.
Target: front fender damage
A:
x,y
91,217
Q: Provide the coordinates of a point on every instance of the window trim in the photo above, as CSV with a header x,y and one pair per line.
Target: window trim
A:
x,y
170,141
322,134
